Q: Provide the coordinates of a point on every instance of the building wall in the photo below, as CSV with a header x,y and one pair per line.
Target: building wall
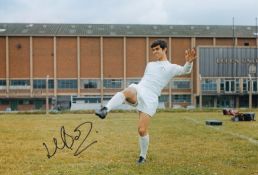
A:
x,y
178,47
224,42
19,57
227,61
204,41
135,56
113,59
3,107
43,57
2,57
66,57
25,107
244,41
90,57
199,42
135,51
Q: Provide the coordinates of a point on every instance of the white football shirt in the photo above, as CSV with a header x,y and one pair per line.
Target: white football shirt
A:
x,y
158,73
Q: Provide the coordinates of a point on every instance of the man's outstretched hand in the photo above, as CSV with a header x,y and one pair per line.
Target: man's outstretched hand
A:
x,y
190,55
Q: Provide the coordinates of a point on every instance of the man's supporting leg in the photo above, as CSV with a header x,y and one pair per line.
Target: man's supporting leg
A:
x,y
144,144
144,136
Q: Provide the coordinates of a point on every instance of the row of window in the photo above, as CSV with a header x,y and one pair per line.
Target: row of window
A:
x,y
67,84
162,98
118,83
18,101
14,103
20,82
87,99
86,84
41,84
229,85
176,98
209,85
181,84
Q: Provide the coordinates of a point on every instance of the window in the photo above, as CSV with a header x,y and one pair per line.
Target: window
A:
x,y
24,102
163,98
2,82
86,99
246,44
132,81
92,99
67,84
245,85
237,85
222,87
255,86
209,85
229,85
90,84
107,98
41,84
4,102
113,84
181,98
181,84
19,82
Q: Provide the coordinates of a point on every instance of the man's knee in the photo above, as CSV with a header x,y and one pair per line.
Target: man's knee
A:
x,y
130,95
142,131
129,92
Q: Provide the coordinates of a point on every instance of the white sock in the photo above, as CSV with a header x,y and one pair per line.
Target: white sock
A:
x,y
115,101
144,144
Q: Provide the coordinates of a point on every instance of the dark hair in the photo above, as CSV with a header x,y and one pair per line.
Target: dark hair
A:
x,y
160,43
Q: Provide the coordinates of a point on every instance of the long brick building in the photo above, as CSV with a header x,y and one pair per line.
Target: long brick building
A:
x,y
93,61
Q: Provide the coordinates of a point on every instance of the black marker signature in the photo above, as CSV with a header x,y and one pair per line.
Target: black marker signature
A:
x,y
65,137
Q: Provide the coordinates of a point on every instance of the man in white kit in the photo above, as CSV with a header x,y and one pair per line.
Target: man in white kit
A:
x,y
144,95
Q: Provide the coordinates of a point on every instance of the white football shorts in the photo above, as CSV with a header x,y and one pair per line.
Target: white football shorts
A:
x,y
147,101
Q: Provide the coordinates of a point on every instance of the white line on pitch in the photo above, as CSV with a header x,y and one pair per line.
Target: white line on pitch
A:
x,y
250,139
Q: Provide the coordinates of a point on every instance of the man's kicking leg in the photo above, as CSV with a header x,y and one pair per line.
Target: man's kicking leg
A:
x,y
129,94
143,136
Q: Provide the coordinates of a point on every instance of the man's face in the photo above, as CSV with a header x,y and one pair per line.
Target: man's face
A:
x,y
158,52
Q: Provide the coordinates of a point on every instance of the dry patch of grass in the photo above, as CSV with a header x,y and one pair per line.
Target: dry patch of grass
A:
x,y
180,143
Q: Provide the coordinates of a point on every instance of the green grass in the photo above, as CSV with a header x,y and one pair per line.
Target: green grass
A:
x,y
180,143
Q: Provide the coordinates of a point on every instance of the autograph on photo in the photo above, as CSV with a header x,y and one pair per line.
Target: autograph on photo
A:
x,y
68,140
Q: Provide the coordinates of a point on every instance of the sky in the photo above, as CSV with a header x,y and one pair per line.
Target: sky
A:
x,y
164,12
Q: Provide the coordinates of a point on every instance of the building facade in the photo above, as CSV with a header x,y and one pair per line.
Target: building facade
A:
x,y
93,61
228,76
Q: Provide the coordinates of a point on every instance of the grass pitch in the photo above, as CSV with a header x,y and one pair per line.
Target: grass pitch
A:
x,y
180,144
